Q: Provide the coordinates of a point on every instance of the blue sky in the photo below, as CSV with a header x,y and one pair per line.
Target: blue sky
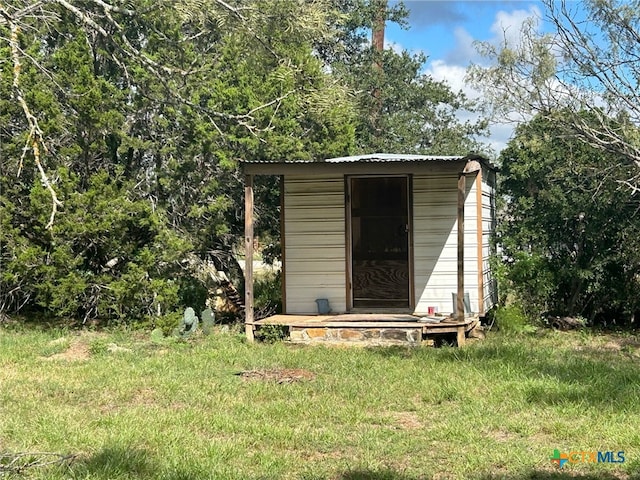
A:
x,y
440,28
444,30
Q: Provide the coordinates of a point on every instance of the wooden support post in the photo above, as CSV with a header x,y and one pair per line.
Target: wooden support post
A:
x,y
460,336
462,186
248,251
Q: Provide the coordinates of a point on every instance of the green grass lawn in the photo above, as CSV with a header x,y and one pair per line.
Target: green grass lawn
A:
x,y
130,408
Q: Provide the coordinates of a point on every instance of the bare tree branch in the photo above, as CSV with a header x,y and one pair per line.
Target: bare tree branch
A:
x,y
588,64
35,139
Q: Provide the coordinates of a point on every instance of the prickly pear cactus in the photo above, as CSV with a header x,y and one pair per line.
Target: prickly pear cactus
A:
x,y
157,335
208,321
189,322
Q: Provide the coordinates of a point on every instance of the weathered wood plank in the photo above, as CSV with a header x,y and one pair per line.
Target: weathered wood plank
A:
x,y
248,251
479,248
364,320
381,279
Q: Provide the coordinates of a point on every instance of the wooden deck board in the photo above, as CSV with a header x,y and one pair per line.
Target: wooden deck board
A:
x,y
372,320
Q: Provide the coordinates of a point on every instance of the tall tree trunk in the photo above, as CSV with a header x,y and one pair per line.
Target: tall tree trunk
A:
x,y
377,37
377,43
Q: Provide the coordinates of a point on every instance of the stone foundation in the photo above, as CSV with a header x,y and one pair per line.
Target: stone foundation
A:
x,y
372,329
370,336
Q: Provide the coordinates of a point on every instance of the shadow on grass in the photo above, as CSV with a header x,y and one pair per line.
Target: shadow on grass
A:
x,y
114,463
559,475
531,475
546,374
375,475
129,463
565,375
395,351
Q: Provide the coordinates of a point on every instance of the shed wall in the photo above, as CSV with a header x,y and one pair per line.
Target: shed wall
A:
x,y
314,229
315,251
435,242
488,227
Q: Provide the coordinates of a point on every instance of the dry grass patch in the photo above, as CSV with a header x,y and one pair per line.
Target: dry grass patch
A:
x,y
77,351
145,397
405,421
278,375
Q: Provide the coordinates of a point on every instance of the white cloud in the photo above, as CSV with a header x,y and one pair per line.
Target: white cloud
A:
x,y
464,50
395,46
501,133
452,74
507,26
451,65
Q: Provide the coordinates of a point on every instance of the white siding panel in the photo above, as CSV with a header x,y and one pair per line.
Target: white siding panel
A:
x,y
313,226
436,244
331,253
471,243
314,213
488,225
314,235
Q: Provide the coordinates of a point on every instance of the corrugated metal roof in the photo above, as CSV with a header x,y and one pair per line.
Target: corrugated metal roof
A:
x,y
372,162
371,158
393,157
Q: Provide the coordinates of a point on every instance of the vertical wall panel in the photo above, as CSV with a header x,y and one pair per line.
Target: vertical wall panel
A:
x,y
488,227
435,242
314,226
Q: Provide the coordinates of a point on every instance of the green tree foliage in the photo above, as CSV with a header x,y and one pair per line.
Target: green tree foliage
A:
x,y
144,110
400,108
589,62
122,124
569,231
107,256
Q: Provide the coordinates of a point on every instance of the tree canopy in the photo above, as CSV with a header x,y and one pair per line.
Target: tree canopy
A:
x,y
569,229
122,125
589,62
134,119
400,108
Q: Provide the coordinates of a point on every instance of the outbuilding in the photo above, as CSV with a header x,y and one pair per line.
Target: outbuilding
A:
x,y
381,233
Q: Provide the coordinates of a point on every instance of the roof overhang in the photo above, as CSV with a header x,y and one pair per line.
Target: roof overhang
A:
x,y
377,163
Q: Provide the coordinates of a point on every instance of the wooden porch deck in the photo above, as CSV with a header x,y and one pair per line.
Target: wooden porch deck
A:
x,y
373,328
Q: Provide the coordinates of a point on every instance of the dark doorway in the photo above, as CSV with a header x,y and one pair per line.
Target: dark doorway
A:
x,y
379,220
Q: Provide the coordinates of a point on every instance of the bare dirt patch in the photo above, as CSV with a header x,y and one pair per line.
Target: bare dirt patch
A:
x,y
278,375
144,397
78,351
405,421
501,435
75,347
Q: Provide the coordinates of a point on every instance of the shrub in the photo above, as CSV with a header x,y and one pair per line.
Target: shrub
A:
x,y
268,293
568,244
108,257
512,319
272,333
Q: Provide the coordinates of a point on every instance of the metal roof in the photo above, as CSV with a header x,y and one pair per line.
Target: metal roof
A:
x,y
375,157
373,163
393,157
